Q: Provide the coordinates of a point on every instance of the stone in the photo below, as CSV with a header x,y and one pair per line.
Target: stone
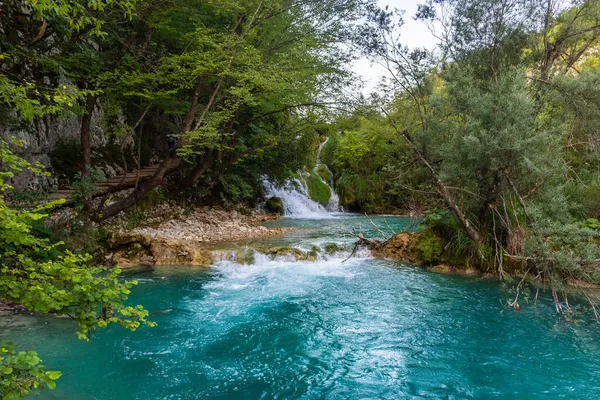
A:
x,y
441,268
399,247
135,250
274,205
245,256
179,252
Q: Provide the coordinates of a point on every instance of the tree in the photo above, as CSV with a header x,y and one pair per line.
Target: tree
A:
x,y
247,70
32,276
33,273
494,123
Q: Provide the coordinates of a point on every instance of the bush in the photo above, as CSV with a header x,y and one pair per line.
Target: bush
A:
x,y
430,247
84,186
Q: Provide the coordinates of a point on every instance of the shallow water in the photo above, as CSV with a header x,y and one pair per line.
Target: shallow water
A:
x,y
361,329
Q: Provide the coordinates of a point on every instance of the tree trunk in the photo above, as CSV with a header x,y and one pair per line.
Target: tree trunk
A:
x,y
439,186
473,234
205,163
86,141
173,161
170,164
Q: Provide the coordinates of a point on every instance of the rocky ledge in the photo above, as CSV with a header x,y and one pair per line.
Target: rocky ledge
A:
x,y
408,247
184,237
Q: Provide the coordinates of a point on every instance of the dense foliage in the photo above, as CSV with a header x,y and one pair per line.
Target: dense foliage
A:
x,y
35,275
220,93
497,128
494,135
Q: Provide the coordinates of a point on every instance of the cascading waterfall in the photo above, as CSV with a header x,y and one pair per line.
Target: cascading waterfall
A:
x,y
295,198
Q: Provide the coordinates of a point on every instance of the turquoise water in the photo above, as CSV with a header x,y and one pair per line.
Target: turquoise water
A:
x,y
361,329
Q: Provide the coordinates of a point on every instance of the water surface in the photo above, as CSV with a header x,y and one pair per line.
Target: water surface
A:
x,y
360,329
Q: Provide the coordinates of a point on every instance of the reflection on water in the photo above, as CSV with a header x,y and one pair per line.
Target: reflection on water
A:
x,y
361,329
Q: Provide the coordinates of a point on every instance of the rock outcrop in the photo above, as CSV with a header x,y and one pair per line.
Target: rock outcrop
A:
x,y
183,236
400,247
420,249
132,250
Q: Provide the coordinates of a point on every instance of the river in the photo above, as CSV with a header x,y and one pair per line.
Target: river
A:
x,y
325,329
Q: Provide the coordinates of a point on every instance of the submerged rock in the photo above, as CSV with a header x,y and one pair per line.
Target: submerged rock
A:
x,y
245,257
441,268
292,252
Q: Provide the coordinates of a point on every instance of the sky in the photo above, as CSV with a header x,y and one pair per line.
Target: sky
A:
x,y
413,34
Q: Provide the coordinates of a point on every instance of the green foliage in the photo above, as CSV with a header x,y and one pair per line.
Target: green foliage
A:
x,y
85,186
323,173
332,248
135,217
22,372
63,284
369,160
318,190
429,247
502,134
20,19
28,196
237,189
591,223
274,205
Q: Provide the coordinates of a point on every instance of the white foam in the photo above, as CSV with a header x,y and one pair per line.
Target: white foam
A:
x,y
296,201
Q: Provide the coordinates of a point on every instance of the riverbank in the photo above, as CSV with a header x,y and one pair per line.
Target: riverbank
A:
x,y
175,235
247,327
205,224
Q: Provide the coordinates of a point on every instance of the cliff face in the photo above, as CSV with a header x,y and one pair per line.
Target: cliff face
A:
x,y
44,139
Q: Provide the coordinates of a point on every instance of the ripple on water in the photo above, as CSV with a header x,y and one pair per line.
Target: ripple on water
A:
x,y
361,329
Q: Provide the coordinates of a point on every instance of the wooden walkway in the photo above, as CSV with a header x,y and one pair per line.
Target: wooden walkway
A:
x,y
109,185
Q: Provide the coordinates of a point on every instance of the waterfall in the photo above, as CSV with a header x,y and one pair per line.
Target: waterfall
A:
x,y
295,199
294,194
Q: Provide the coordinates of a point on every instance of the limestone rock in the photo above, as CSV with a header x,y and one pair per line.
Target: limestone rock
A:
x,y
441,268
134,250
400,247
179,252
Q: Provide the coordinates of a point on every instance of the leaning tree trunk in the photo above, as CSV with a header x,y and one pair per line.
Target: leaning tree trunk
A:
x,y
439,186
85,133
205,162
168,165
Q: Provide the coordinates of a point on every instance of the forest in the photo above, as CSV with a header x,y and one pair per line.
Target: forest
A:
x,y
492,137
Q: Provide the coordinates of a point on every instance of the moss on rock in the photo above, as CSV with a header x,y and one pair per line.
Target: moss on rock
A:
x,y
318,190
323,172
274,205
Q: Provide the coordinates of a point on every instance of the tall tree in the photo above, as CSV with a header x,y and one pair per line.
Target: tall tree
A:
x,y
241,68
